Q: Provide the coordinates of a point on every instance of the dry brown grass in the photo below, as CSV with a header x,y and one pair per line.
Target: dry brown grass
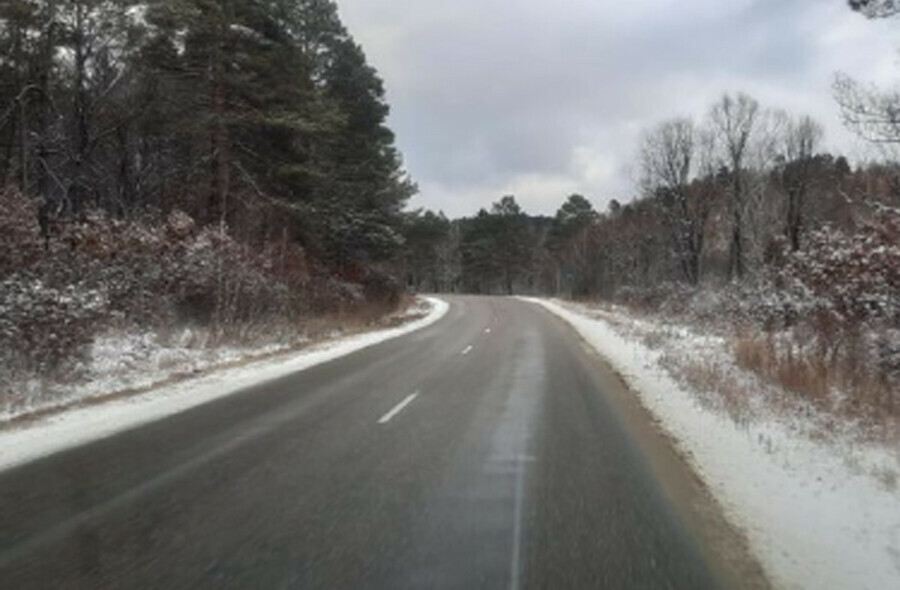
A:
x,y
831,372
719,390
794,372
360,318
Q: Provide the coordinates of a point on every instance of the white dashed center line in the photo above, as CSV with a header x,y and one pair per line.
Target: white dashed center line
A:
x,y
398,408
467,350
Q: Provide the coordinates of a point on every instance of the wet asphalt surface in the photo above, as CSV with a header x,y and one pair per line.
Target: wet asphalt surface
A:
x,y
506,468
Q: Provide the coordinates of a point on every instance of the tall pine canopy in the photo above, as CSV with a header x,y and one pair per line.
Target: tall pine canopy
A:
x,y
262,117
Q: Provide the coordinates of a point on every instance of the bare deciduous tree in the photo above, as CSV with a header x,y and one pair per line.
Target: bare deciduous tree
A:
x,y
800,140
668,161
871,113
876,8
735,120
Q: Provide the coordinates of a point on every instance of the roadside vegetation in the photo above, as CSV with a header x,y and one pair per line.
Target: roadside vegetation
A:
x,y
192,175
743,228
210,175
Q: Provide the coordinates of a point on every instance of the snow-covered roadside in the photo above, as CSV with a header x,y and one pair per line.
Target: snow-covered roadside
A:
x,y
45,436
814,516
128,361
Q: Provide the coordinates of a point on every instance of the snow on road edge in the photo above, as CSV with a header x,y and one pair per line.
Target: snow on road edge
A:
x,y
83,425
812,519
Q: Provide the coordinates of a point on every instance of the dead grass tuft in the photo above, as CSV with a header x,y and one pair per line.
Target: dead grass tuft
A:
x,y
828,369
718,389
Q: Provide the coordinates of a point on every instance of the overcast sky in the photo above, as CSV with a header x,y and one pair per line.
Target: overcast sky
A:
x,y
543,98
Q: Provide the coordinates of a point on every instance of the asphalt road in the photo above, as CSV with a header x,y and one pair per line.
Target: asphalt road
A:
x,y
481,452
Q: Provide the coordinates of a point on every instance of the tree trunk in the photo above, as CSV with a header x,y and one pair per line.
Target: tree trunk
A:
x,y
217,207
736,266
795,217
126,185
43,175
23,129
82,138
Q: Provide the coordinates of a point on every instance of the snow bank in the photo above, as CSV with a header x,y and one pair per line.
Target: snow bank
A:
x,y
22,444
128,361
814,516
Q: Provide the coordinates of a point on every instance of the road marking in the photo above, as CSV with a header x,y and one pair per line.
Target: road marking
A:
x,y
398,408
467,350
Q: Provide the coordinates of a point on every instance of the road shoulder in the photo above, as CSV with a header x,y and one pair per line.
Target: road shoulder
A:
x,y
50,432
727,549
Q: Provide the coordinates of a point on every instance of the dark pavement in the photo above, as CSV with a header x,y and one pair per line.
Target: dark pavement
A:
x,y
509,468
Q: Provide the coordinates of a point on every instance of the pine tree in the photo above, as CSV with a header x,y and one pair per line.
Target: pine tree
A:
x,y
261,117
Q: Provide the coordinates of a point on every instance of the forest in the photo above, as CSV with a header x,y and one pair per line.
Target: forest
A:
x,y
164,163
227,166
728,201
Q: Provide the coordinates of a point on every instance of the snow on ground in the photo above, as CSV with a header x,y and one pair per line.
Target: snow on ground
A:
x,y
23,443
125,361
120,361
820,513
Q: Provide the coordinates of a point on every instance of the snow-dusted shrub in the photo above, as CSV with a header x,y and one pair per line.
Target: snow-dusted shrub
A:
x,y
20,235
72,281
176,272
855,276
96,271
42,328
332,295
382,290
822,322
831,319
664,296
759,303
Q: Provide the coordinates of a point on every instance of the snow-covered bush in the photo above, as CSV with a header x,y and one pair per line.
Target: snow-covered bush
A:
x,y
20,235
856,276
63,283
43,328
823,322
836,336
331,295
664,296
96,272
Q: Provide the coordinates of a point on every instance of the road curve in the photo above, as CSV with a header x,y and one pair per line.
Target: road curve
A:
x,y
480,452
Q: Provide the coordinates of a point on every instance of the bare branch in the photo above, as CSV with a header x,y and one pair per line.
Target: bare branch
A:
x,y
735,120
876,8
872,114
667,156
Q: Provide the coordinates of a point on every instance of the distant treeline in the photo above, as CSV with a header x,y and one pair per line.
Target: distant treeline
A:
x,y
744,199
742,227
727,200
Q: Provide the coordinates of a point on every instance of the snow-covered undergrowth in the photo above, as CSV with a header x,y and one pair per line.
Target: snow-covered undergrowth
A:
x,y
128,361
819,504
95,303
24,442
120,361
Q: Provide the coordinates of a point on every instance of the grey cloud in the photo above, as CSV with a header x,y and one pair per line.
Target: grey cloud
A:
x,y
494,95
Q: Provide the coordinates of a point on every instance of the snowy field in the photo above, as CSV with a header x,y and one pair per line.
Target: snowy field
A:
x,y
30,440
820,512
